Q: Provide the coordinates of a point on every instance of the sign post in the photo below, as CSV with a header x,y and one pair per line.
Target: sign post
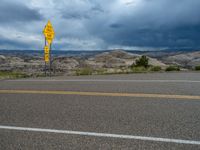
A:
x,y
45,43
49,36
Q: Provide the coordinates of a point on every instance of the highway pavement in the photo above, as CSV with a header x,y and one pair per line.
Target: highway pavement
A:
x,y
135,111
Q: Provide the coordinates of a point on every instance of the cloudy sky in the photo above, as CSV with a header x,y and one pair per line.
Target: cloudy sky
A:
x,y
101,24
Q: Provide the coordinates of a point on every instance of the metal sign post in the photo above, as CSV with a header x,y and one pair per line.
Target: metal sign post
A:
x,y
50,60
49,36
45,61
46,57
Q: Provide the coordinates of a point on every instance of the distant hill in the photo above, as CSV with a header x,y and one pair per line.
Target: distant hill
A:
x,y
94,52
188,59
54,52
67,62
118,58
109,61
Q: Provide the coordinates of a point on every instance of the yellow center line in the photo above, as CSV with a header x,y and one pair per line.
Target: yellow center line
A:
x,y
141,95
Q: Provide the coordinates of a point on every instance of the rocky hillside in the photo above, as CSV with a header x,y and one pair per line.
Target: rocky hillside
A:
x,y
29,65
110,61
118,58
188,60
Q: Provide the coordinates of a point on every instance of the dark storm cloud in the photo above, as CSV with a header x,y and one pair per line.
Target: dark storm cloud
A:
x,y
151,23
17,12
115,25
13,44
97,8
104,23
85,10
76,15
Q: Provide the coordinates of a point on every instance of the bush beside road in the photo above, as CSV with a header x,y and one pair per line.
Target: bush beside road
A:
x,y
12,75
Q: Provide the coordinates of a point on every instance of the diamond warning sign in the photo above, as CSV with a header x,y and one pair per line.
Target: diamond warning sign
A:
x,y
49,32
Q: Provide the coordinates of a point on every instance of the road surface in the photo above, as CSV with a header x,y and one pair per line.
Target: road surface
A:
x,y
138,111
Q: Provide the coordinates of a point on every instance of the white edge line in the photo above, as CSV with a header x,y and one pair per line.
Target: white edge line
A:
x,y
85,80
94,134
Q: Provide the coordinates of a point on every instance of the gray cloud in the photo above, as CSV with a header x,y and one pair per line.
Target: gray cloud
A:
x,y
103,23
85,10
17,12
75,16
6,43
115,25
153,23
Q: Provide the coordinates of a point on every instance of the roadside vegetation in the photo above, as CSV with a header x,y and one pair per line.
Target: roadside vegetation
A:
x,y
84,71
173,68
142,62
12,75
140,66
156,68
197,68
139,69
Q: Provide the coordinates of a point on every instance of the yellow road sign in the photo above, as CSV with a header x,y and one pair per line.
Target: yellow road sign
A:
x,y
46,57
48,28
49,38
49,32
46,50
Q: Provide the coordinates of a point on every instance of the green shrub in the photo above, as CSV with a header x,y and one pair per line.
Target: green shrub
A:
x,y
156,68
139,69
101,71
197,68
173,68
84,71
10,74
142,62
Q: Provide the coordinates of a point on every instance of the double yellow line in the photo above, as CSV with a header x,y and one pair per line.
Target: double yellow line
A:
x,y
139,95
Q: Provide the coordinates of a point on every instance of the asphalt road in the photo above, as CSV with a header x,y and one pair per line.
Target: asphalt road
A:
x,y
140,111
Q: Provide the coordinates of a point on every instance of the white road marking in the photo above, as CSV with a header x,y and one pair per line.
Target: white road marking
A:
x,y
107,80
107,135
